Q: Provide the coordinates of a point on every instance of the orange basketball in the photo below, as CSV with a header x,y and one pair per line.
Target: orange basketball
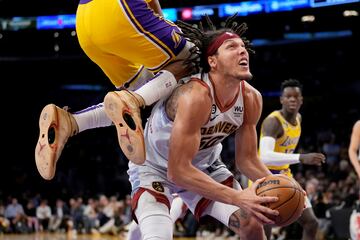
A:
x,y
291,197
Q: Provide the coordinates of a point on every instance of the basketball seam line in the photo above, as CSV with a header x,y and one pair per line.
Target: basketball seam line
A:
x,y
294,211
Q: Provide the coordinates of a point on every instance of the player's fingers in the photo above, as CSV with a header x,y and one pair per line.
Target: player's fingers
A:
x,y
262,218
257,182
268,211
267,199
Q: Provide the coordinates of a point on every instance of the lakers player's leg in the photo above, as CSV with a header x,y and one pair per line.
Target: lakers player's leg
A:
x,y
56,126
130,30
160,44
102,49
114,30
309,222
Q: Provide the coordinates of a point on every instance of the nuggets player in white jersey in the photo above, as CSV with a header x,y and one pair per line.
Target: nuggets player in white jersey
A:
x,y
183,144
280,133
354,155
129,40
354,147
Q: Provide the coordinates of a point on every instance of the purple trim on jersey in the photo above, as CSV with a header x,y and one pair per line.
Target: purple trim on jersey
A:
x,y
160,29
84,1
133,78
89,108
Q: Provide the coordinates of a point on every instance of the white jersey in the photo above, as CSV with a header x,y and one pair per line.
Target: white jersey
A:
x,y
223,121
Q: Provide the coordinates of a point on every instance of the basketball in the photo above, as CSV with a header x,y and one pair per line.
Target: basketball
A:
x,y
291,197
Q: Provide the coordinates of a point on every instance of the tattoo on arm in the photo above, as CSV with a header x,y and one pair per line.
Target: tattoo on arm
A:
x,y
244,214
172,101
234,221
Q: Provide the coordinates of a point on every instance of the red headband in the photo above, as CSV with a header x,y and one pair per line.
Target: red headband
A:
x,y
218,41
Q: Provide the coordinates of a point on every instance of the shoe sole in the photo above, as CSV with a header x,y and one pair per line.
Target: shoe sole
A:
x,y
128,126
45,151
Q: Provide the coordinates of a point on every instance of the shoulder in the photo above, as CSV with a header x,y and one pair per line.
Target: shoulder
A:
x,y
251,92
195,91
191,98
271,126
252,104
272,120
356,127
299,117
252,98
357,124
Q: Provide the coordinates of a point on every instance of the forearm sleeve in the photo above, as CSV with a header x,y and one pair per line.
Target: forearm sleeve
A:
x,y
271,158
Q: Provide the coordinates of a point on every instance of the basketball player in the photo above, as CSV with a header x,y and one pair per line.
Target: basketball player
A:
x,y
354,155
183,143
128,40
280,133
354,147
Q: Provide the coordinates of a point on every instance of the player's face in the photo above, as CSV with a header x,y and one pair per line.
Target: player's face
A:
x,y
233,60
291,99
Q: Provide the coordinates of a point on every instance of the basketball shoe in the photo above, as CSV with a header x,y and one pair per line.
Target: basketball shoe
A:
x,y
56,126
123,108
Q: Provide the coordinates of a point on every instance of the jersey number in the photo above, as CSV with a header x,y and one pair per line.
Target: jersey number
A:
x,y
207,142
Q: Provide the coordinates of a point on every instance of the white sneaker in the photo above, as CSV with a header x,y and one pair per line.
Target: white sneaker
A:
x,y
123,109
56,126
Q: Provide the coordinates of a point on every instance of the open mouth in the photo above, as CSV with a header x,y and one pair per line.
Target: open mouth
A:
x,y
243,62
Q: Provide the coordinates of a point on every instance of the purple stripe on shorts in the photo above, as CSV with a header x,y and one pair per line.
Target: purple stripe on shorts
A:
x,y
84,1
128,82
160,29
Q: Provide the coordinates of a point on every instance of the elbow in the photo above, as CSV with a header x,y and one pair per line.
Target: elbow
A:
x,y
177,175
173,176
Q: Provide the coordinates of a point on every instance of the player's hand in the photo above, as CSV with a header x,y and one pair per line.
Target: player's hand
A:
x,y
180,69
256,205
312,158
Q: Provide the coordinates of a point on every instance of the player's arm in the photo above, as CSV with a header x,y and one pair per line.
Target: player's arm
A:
x,y
354,147
155,5
272,130
247,160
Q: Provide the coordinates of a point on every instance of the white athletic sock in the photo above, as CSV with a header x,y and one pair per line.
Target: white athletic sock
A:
x,y
161,85
92,117
143,78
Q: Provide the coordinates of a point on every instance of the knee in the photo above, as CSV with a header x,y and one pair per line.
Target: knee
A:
x,y
156,227
311,225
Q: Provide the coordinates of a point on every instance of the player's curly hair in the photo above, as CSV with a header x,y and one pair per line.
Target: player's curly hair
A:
x,y
291,83
203,38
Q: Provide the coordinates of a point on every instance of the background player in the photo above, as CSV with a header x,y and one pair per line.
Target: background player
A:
x,y
280,133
